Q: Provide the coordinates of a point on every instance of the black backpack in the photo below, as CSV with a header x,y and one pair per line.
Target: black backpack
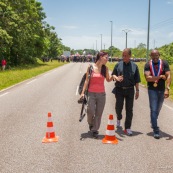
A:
x,y
83,80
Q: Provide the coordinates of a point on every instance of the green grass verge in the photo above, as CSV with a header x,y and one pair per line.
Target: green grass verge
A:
x,y
141,71
19,74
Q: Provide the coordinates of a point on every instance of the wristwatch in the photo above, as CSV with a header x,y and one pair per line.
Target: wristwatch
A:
x,y
168,87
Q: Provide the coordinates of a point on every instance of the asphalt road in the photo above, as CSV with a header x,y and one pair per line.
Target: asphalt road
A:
x,y
23,118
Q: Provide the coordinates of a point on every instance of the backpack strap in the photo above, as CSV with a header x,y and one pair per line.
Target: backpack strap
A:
x,y
89,77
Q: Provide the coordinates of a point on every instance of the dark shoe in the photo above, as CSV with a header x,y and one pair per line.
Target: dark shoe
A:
x,y
156,135
90,127
95,135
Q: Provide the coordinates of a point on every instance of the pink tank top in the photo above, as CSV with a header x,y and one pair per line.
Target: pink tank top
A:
x,y
96,83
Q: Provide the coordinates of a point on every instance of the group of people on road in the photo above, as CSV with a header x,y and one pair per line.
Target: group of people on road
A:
x,y
127,78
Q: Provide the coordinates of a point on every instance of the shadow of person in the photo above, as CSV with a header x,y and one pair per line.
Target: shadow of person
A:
x,y
162,135
135,133
121,133
90,135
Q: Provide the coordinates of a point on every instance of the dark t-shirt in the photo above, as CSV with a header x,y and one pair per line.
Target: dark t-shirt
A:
x,y
161,82
130,77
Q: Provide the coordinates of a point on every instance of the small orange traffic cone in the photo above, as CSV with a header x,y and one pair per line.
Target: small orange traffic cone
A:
x,y
110,132
50,134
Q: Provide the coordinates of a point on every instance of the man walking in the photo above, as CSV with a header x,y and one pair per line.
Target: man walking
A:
x,y
156,72
127,77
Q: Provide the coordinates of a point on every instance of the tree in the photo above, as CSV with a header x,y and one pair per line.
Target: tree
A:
x,y
141,46
115,51
24,35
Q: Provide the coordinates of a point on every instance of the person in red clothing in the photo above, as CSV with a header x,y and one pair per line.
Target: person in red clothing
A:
x,y
3,63
96,92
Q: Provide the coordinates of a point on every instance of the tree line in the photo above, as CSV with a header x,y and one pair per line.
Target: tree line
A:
x,y
166,52
24,35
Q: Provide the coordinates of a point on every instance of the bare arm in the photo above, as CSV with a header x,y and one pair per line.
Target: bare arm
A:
x,y
168,77
137,90
168,83
150,78
86,83
108,77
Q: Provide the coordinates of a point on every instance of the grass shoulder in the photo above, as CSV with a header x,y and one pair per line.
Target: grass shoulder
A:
x,y
15,75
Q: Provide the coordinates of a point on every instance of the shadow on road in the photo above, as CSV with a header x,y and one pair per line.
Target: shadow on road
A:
x,y
121,133
89,135
162,135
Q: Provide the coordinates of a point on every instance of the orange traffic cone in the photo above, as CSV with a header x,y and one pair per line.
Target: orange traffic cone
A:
x,y
50,134
110,133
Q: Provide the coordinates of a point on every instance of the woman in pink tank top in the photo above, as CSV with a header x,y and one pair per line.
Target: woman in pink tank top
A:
x,y
96,92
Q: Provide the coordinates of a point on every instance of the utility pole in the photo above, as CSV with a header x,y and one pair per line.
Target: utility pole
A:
x,y
111,39
126,32
148,35
101,41
96,45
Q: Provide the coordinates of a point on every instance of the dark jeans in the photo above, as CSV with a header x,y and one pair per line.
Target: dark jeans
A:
x,y
128,96
156,99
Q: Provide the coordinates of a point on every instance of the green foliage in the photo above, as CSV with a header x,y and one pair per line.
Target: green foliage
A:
x,y
19,74
24,35
166,52
114,52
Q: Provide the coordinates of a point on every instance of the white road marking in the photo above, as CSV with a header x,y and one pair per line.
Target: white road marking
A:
x,y
4,94
31,81
77,90
168,106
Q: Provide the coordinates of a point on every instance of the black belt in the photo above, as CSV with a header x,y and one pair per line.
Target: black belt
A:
x,y
124,88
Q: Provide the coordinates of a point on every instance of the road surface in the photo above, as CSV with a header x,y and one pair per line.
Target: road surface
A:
x,y
23,118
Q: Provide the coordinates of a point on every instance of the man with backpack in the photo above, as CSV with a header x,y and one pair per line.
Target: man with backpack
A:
x,y
127,77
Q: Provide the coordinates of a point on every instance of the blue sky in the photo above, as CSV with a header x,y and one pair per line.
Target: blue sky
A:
x,y
80,23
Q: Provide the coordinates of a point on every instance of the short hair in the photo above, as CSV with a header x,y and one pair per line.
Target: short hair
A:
x,y
154,51
128,50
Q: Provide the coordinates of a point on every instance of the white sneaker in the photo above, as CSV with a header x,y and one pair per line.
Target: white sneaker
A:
x,y
128,132
118,123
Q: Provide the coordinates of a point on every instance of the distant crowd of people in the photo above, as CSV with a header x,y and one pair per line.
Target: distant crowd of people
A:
x,y
93,59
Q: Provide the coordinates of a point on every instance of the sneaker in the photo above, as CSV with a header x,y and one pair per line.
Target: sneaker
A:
x,y
156,135
128,132
118,123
